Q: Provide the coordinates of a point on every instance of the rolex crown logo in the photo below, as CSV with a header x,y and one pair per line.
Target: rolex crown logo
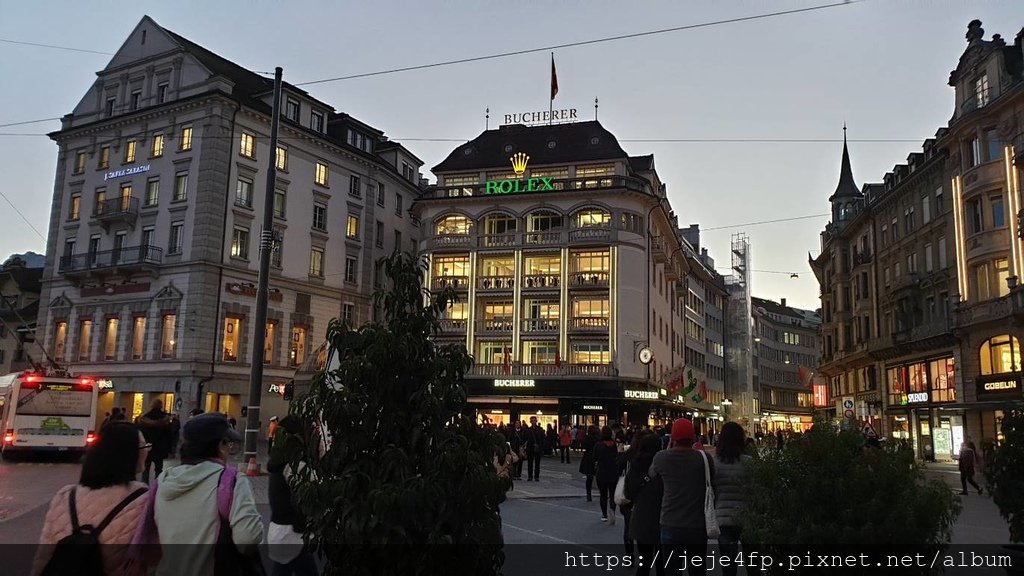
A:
x,y
519,161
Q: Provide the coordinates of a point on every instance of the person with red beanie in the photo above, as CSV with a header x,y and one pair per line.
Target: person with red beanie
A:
x,y
681,469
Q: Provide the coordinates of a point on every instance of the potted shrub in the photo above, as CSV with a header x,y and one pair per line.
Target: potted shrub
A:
x,y
1004,474
406,482
831,491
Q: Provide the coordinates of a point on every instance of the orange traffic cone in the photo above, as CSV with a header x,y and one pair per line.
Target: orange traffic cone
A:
x,y
253,469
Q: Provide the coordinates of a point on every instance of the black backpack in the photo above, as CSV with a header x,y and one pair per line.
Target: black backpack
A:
x,y
79,554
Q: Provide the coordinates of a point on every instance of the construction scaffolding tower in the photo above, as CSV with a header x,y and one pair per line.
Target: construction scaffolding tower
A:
x,y
739,382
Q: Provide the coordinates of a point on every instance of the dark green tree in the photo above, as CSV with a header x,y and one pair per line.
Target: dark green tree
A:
x,y
398,476
1004,471
830,491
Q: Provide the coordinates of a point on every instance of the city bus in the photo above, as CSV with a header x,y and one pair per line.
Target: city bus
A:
x,y
42,412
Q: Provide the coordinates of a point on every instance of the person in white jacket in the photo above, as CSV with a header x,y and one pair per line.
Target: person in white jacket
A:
x,y
185,508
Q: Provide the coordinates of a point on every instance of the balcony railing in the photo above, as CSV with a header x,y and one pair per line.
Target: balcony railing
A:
x,y
548,238
453,324
559,185
541,281
541,325
450,241
506,240
1000,309
589,324
495,282
494,326
456,282
121,209
590,234
542,370
658,249
588,280
126,259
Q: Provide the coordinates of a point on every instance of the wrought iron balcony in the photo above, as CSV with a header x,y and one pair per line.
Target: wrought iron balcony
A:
x,y
506,240
450,241
113,210
126,260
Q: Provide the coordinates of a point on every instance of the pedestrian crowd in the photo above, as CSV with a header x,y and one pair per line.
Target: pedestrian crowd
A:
x,y
199,517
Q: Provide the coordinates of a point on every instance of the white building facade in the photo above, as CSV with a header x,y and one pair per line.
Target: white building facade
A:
x,y
153,249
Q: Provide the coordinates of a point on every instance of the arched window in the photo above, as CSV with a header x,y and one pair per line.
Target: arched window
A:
x,y
543,220
499,224
592,217
454,224
1000,355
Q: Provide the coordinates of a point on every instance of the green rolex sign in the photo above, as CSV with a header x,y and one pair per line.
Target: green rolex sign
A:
x,y
519,161
516,186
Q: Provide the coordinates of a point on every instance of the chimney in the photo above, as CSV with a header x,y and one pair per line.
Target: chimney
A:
x,y
783,302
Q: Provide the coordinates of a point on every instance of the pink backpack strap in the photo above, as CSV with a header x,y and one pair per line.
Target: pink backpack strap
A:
x,y
226,492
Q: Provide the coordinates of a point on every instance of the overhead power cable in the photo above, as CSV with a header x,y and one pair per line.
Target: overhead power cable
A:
x,y
38,233
581,43
633,140
765,222
55,47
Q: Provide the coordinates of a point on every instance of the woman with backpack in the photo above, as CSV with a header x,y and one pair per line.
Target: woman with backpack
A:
x,y
106,499
202,503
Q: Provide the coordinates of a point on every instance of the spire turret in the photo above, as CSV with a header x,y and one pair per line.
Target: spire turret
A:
x,y
847,194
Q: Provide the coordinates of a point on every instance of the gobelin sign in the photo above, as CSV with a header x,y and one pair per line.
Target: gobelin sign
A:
x,y
520,184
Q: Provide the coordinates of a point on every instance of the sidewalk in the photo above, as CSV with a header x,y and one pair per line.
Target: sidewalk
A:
x,y
979,521
557,480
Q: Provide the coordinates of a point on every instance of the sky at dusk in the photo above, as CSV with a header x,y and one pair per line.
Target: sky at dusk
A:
x,y
881,67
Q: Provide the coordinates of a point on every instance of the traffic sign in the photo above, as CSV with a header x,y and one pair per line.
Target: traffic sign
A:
x,y
848,414
848,404
869,431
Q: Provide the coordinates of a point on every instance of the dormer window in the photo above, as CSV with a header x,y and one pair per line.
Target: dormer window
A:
x,y
291,109
981,90
316,121
110,106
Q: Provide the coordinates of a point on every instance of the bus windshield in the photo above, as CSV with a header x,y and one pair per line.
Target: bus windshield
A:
x,y
55,400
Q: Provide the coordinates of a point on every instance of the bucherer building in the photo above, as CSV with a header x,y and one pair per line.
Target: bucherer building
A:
x,y
571,273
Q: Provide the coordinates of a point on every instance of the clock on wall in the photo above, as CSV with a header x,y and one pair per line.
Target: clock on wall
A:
x,y
646,355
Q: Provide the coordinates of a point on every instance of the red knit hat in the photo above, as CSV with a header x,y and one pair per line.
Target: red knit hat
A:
x,y
682,429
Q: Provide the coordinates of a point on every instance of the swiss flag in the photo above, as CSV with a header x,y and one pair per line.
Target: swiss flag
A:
x,y
554,77
508,361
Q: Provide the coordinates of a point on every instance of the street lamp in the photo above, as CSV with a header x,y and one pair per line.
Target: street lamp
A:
x,y
726,403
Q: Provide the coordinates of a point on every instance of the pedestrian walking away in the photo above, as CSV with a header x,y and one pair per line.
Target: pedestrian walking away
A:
x,y
107,497
284,534
200,503
967,461
607,473
730,471
565,441
682,470
156,427
644,494
587,462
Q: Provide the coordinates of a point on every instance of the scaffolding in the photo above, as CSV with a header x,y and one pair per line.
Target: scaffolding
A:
x,y
740,386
